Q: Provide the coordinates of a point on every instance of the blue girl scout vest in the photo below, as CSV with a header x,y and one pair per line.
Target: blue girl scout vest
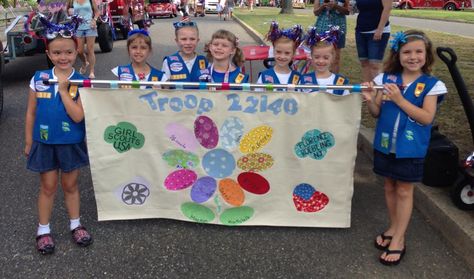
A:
x,y
236,76
126,73
269,76
310,78
179,71
412,137
52,124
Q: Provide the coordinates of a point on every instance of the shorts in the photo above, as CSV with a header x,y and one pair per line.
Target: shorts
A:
x,y
66,157
86,33
368,49
403,169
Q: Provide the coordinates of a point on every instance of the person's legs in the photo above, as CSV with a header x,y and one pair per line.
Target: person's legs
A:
x,y
81,54
376,51
390,200
47,193
337,61
71,193
403,210
363,54
90,41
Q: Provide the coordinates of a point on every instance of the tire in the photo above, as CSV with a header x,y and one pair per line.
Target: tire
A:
x,y
450,7
105,38
405,6
462,195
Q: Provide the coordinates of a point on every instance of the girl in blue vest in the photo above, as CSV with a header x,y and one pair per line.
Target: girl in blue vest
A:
x,y
405,110
323,54
284,43
185,65
226,59
54,137
139,50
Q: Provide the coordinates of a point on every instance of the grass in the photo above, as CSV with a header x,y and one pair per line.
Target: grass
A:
x,y
466,16
450,117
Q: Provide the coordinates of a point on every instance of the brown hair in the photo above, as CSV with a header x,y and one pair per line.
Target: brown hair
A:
x,y
135,36
392,64
284,39
323,44
187,26
238,58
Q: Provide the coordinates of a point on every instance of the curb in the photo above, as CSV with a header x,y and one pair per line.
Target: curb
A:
x,y
455,225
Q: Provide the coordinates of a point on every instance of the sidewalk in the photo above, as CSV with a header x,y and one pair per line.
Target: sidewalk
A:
x,y
455,225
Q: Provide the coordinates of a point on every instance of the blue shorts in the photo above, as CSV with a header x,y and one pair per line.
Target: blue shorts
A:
x,y
86,33
403,169
66,157
368,49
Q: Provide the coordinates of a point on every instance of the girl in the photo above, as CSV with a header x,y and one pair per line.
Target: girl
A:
x,y
284,43
185,65
54,138
332,13
323,53
86,33
226,58
406,109
139,49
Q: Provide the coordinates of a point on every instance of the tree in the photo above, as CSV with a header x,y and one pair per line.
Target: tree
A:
x,y
286,7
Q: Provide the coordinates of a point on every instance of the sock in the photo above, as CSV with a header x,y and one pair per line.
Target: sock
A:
x,y
43,229
74,223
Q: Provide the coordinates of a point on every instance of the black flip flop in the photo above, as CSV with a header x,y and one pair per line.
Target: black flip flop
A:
x,y
389,252
384,237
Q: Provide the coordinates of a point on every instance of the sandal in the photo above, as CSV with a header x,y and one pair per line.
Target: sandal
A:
x,y
389,252
384,237
45,244
83,68
81,237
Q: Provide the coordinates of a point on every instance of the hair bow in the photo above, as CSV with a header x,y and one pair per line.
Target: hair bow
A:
x,y
330,36
138,31
398,38
294,33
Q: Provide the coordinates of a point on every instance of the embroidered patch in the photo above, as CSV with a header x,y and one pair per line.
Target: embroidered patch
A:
x,y
308,79
40,86
125,70
178,77
409,135
44,75
44,132
239,78
392,78
268,79
73,91
419,89
43,95
340,81
384,140
176,66
202,64
174,58
295,79
65,126
126,77
154,78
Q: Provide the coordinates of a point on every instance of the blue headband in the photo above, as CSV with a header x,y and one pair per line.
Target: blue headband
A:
x,y
181,24
138,31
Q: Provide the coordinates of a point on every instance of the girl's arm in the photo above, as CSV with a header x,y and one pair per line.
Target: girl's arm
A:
x,y
373,98
30,121
318,8
387,7
423,115
73,108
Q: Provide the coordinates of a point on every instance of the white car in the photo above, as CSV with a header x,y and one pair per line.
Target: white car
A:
x,y
211,6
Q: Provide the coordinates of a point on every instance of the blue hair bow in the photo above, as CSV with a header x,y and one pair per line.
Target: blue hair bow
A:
x,y
138,31
398,38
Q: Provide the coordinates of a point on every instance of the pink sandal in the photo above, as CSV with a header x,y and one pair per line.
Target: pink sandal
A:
x,y
81,237
45,244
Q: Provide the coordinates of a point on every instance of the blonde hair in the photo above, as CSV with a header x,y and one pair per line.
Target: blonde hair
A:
x,y
323,44
238,58
284,39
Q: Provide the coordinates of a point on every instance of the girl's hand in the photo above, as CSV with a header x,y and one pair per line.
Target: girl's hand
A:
x,y
393,92
63,84
27,149
369,93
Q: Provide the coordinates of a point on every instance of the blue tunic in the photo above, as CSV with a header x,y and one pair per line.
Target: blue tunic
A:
x,y
269,76
126,73
412,137
179,71
52,123
310,78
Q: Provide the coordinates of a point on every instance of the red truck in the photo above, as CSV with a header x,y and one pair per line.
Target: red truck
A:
x,y
159,8
450,5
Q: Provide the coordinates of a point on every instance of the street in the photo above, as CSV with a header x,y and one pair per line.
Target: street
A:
x,y
161,248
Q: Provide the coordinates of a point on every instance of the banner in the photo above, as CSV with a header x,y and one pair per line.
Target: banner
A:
x,y
223,157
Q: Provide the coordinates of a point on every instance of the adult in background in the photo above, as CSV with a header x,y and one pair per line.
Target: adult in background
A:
x,y
332,13
86,33
372,34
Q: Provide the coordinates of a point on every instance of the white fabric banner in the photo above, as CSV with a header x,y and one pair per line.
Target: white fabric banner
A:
x,y
223,157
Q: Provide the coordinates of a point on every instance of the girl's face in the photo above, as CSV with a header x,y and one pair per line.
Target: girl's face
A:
x,y
62,53
413,56
283,52
221,49
139,51
187,39
322,58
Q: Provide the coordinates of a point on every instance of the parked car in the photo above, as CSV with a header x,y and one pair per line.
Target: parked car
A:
x,y
450,5
159,8
211,6
126,13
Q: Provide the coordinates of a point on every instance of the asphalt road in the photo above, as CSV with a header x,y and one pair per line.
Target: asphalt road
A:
x,y
160,248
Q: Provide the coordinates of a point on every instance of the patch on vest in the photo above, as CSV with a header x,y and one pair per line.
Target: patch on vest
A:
x,y
202,64
340,81
126,77
419,89
268,79
239,78
40,86
65,126
176,66
178,77
43,95
308,79
409,135
295,79
126,70
73,91
44,132
384,140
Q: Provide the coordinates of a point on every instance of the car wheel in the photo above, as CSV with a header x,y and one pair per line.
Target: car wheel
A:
x,y
405,6
450,7
105,38
462,195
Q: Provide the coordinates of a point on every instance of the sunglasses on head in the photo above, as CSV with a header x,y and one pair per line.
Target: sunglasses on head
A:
x,y
181,24
63,33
